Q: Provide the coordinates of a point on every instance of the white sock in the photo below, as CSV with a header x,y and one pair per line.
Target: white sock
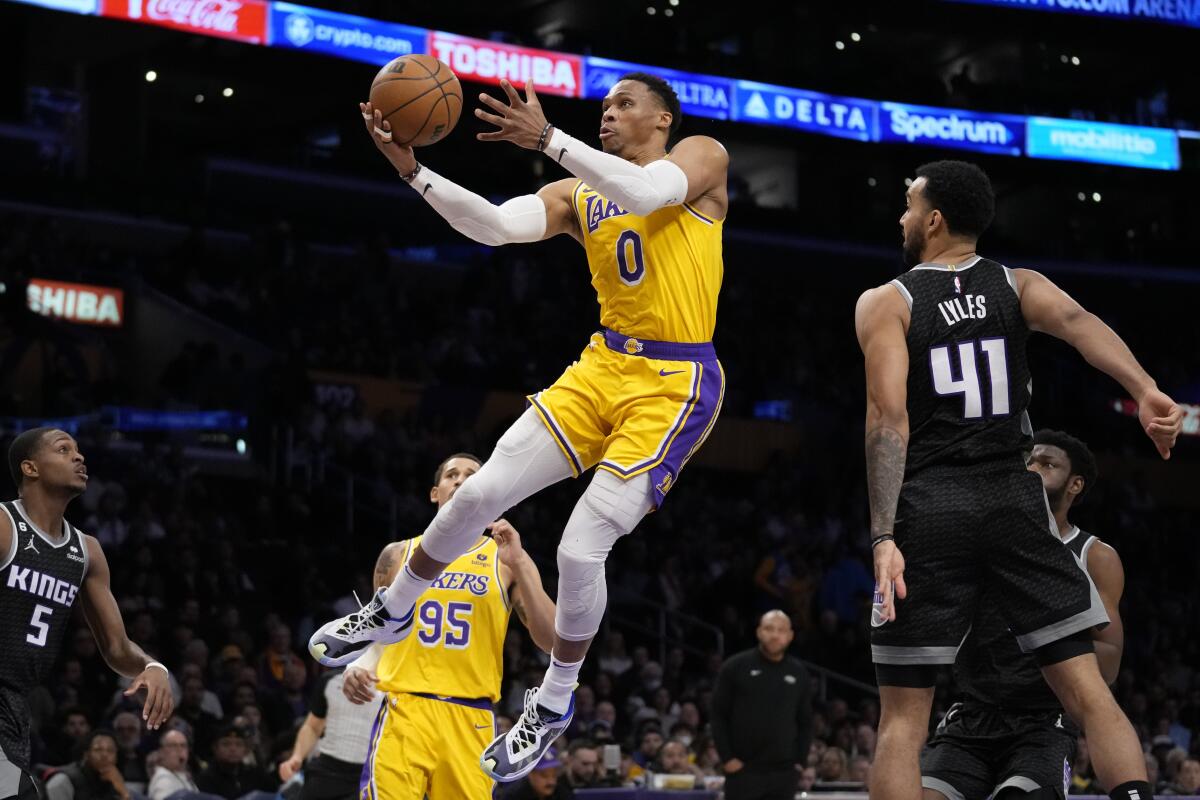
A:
x,y
558,684
402,595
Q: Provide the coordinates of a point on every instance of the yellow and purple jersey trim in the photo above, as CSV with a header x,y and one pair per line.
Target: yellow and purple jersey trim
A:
x,y
631,406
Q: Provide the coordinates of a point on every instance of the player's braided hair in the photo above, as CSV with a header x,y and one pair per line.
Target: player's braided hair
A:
x,y
663,91
437,474
22,449
963,193
1083,463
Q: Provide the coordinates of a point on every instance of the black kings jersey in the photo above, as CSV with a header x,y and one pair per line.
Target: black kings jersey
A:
x,y
41,577
992,669
968,378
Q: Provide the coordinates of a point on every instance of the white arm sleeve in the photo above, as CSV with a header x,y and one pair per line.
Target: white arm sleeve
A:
x,y
369,659
638,190
522,219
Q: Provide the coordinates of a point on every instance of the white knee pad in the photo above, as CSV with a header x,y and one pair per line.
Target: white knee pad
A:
x,y
525,461
609,509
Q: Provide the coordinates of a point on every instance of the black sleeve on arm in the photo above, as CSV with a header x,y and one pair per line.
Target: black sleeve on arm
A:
x,y
722,708
804,718
318,703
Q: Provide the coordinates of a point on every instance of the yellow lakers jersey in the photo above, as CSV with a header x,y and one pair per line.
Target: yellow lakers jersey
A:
x,y
456,648
657,277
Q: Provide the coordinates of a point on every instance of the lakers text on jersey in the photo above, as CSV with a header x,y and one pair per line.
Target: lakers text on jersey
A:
x,y
440,684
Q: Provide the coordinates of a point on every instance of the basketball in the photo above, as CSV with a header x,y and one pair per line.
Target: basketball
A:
x,y
421,98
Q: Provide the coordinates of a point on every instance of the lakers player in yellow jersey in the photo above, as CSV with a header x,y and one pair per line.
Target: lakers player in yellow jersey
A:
x,y
638,403
440,684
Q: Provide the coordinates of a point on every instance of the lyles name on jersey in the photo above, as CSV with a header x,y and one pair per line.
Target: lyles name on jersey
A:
x,y
967,306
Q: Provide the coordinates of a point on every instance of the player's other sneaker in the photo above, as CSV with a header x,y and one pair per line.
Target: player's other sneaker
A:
x,y
337,643
513,755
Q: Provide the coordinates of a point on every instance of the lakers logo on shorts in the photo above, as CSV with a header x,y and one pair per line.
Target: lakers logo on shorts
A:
x,y
633,346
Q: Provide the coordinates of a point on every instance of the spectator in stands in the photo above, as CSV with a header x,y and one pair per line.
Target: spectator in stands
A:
x,y
127,726
650,742
673,759
832,768
582,765
1187,778
227,774
762,715
543,783
808,779
172,773
191,709
94,777
858,769
73,730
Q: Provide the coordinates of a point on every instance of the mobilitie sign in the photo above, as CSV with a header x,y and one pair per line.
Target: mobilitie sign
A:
x,y
1102,143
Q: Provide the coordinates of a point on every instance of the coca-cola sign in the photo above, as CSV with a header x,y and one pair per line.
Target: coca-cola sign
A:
x,y
244,20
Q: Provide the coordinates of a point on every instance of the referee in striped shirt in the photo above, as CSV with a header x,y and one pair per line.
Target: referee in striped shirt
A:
x,y
340,733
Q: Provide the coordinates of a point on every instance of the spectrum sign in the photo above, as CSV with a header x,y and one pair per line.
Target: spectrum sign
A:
x,y
343,35
243,20
1002,134
489,62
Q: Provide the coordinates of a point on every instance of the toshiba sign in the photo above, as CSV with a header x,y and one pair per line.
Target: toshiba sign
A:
x,y
489,62
244,20
77,302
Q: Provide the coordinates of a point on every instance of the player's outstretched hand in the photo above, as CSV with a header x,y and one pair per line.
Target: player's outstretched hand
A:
x,y
889,582
508,542
159,700
380,131
520,122
1161,419
358,685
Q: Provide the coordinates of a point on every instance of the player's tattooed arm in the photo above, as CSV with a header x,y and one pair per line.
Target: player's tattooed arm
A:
x,y
388,563
887,450
881,321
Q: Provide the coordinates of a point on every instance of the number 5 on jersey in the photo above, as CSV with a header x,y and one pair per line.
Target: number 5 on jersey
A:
x,y
969,384
41,626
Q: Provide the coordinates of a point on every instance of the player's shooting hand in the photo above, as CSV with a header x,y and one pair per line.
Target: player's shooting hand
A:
x,y
520,122
508,542
159,700
380,131
889,573
1162,420
358,685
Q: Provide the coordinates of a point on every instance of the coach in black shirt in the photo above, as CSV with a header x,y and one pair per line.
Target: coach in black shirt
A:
x,y
762,716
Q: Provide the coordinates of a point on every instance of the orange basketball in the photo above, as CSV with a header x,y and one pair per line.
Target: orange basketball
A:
x,y
421,98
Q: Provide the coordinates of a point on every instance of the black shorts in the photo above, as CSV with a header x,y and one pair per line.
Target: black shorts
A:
x,y
962,529
15,781
979,750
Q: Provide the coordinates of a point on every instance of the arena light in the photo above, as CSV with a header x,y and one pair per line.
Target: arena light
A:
x,y
227,91
855,36
151,76
198,99
839,44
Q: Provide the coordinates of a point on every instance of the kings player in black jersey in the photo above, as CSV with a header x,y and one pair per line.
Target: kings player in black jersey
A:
x,y
47,564
946,429
1010,739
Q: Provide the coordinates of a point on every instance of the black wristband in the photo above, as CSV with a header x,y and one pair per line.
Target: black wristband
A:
x,y
410,177
887,537
543,140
